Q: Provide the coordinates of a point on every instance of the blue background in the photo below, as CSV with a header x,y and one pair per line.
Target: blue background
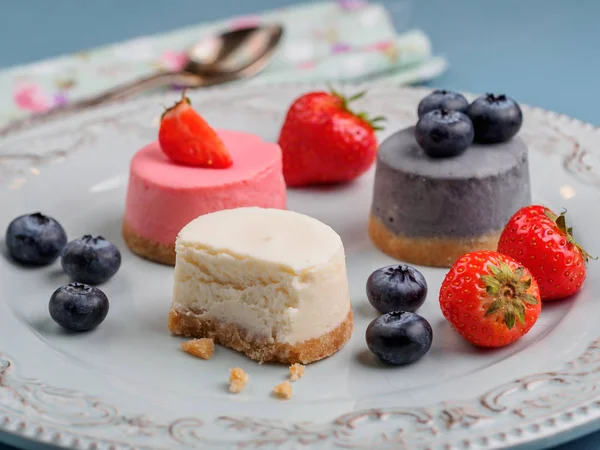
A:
x,y
541,52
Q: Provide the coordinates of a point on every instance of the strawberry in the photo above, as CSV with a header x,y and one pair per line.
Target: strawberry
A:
x,y
186,138
490,299
324,142
544,244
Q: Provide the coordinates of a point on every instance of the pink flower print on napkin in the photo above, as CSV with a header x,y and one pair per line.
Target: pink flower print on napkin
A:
x,y
306,65
31,97
388,48
238,23
60,99
339,47
351,5
380,46
173,60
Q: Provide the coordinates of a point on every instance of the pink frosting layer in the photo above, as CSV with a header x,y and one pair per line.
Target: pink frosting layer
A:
x,y
163,197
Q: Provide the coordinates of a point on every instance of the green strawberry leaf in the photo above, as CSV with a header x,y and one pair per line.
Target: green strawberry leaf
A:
x,y
356,96
494,307
550,215
529,299
519,272
492,285
520,310
509,319
508,294
506,272
561,223
495,270
373,123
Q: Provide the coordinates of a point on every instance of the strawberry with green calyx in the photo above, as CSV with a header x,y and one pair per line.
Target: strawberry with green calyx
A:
x,y
186,138
375,122
323,141
490,299
543,242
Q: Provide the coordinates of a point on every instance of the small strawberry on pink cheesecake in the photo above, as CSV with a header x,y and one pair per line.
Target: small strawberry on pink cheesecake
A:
x,y
193,170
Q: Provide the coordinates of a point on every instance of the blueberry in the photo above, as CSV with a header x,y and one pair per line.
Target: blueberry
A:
x,y
399,337
78,307
443,99
91,260
496,118
396,288
442,133
35,239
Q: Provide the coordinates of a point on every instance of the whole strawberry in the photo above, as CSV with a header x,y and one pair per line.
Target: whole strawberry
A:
x,y
544,244
186,138
323,141
490,299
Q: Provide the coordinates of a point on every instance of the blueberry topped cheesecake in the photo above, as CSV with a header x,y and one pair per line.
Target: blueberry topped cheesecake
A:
x,y
448,185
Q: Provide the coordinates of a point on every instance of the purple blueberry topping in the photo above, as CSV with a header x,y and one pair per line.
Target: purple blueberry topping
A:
x,y
35,239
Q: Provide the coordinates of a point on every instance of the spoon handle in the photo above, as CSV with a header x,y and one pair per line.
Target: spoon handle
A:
x,y
118,93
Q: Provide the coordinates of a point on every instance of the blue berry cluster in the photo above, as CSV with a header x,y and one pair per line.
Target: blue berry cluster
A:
x,y
39,240
448,124
398,336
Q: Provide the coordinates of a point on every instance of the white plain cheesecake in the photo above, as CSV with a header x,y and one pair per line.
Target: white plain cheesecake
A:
x,y
269,283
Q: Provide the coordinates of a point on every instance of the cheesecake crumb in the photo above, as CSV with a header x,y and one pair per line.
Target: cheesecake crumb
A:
x,y
283,390
202,348
296,371
237,380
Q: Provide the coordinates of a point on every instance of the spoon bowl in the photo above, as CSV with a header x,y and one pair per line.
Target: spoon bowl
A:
x,y
233,51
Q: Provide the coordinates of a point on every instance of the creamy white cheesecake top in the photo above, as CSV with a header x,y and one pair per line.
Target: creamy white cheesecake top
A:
x,y
282,237
278,274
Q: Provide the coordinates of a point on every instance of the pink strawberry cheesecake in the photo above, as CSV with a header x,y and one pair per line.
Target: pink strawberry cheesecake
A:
x,y
192,170
164,196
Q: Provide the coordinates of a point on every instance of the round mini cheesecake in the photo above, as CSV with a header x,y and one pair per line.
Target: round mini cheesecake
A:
x,y
431,211
266,282
164,196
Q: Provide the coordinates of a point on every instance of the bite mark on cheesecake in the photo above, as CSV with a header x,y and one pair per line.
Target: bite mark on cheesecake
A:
x,y
211,278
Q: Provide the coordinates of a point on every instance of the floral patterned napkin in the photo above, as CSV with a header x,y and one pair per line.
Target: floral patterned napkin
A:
x,y
343,40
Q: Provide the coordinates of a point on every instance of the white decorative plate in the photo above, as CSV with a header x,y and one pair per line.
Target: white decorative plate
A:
x,y
128,385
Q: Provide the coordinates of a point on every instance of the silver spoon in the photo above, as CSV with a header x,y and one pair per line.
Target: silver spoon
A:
x,y
218,59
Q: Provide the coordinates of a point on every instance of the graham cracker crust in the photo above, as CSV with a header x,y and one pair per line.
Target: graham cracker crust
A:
x,y
147,248
434,252
232,336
